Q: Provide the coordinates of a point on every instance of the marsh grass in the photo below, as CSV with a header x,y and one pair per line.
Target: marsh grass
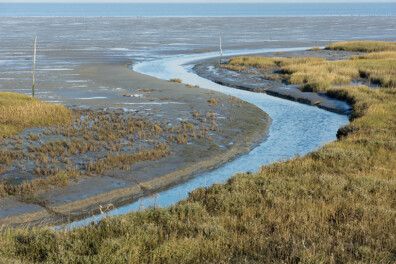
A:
x,y
334,205
316,75
88,145
18,112
363,46
176,80
27,189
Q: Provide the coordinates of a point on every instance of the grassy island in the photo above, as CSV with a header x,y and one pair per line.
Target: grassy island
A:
x,y
334,205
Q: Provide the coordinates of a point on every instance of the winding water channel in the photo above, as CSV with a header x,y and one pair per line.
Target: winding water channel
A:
x,y
295,129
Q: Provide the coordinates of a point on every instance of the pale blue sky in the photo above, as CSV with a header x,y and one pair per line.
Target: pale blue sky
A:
x,y
200,1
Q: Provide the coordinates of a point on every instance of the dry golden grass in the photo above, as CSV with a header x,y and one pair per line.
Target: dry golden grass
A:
x,y
315,74
256,62
90,144
18,112
376,56
213,102
363,46
176,80
28,188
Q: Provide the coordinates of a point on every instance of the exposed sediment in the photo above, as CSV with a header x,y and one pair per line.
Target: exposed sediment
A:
x,y
223,118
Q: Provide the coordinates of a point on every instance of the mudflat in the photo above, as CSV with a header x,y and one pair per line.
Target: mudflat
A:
x,y
225,128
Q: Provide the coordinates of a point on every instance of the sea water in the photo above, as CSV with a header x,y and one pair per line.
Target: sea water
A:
x,y
196,9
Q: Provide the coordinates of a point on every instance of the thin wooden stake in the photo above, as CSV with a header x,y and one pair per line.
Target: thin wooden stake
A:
x,y
221,52
34,63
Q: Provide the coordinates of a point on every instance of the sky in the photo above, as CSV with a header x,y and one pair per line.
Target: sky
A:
x,y
200,1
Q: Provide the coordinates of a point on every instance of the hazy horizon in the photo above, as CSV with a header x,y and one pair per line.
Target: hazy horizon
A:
x,y
197,1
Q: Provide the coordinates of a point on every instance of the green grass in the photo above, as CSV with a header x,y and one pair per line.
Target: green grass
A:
x,y
334,205
18,111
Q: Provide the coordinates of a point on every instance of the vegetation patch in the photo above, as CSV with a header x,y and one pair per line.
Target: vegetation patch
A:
x,y
176,80
316,75
18,111
88,145
363,46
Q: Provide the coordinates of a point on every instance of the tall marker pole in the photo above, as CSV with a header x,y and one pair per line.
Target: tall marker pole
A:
x,y
221,52
34,63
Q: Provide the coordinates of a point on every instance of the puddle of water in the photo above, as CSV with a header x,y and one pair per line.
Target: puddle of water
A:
x,y
55,69
152,103
295,129
76,81
91,98
57,102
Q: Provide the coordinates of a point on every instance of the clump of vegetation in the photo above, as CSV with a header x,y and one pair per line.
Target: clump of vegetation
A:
x,y
314,49
29,188
244,63
144,90
176,80
334,205
363,46
192,86
18,111
213,102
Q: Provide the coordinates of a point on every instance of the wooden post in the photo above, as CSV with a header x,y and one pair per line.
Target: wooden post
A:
x,y
34,63
221,52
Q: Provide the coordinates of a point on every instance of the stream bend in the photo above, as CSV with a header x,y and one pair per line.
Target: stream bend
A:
x,y
295,129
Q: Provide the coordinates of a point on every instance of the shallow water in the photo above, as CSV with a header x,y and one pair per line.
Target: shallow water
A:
x,y
295,129
195,9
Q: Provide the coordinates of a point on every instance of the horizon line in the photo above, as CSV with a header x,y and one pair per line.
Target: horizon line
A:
x,y
199,2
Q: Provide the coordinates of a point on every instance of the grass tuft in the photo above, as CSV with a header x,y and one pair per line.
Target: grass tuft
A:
x,y
176,80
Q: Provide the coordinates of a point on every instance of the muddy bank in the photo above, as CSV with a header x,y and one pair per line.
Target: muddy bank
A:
x,y
224,119
251,81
